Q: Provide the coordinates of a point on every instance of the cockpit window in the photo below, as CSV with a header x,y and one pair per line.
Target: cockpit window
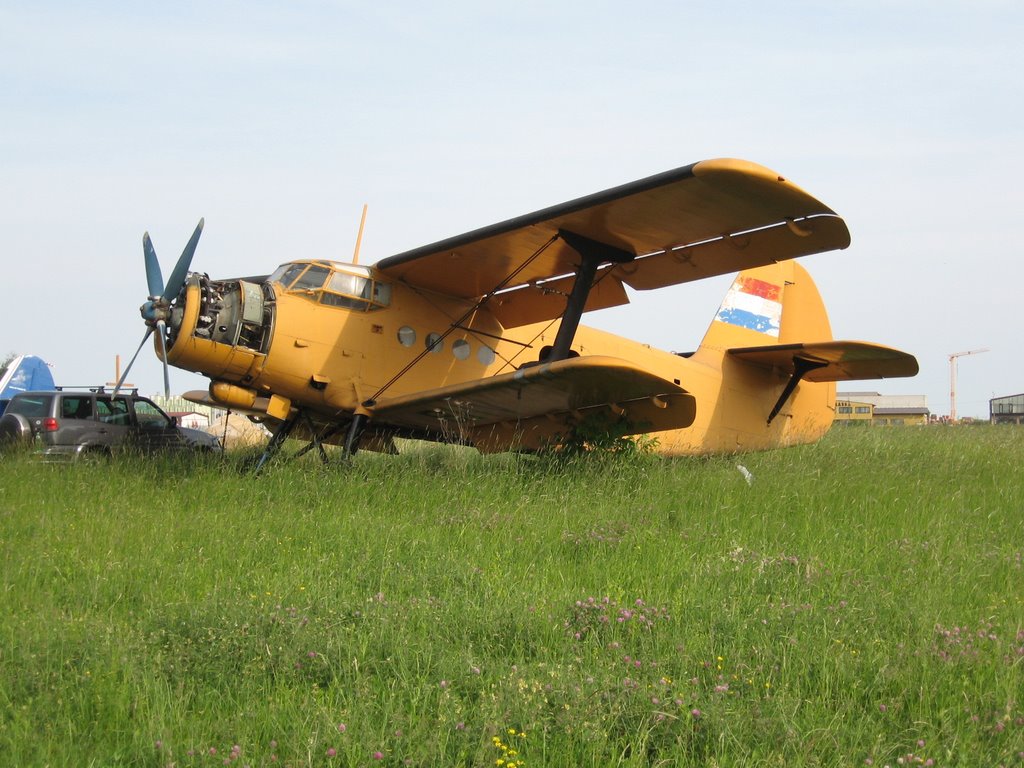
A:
x,y
300,277
311,279
382,294
355,292
286,274
349,286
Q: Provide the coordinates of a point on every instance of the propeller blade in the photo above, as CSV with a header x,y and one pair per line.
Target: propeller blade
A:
x,y
161,327
154,278
132,361
177,278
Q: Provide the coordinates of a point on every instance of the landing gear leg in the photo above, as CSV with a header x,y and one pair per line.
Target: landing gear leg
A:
x,y
276,442
318,439
355,431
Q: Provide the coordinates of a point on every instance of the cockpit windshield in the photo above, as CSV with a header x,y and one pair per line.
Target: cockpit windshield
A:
x,y
334,285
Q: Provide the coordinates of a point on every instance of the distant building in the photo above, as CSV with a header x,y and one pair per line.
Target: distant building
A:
x,y
854,413
175,405
878,410
1006,410
190,419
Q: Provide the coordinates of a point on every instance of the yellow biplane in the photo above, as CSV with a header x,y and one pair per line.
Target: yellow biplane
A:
x,y
477,339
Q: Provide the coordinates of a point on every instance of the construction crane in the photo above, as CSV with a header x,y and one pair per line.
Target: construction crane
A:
x,y
952,378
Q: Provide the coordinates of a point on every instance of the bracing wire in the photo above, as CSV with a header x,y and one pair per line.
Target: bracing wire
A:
x,y
453,326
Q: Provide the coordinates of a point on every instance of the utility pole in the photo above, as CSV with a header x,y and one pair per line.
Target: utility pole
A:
x,y
117,375
952,379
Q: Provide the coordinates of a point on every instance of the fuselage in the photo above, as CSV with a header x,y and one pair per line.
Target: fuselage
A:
x,y
327,337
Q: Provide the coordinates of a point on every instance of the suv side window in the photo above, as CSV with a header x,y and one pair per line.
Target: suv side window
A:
x,y
76,407
149,416
31,406
113,411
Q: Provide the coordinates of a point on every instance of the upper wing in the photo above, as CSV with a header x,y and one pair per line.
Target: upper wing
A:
x,y
529,407
842,360
705,219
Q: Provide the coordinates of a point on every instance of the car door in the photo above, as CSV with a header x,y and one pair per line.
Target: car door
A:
x,y
155,430
77,424
115,421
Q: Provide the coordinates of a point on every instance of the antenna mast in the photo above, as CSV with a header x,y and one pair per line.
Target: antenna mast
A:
x,y
359,237
952,379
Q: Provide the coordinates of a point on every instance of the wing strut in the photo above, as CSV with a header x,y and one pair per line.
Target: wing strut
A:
x,y
593,254
801,367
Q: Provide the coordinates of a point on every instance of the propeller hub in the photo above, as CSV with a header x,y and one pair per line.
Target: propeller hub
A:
x,y
155,310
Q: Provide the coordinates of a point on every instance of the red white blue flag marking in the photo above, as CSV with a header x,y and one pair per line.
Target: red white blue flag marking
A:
x,y
753,304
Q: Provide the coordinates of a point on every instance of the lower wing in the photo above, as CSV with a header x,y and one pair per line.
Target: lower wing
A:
x,y
533,406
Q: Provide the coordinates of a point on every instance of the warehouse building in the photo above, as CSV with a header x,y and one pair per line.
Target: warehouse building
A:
x,y
1006,410
877,410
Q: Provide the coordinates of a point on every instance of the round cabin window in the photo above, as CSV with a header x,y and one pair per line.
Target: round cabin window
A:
x,y
406,336
461,349
485,355
434,342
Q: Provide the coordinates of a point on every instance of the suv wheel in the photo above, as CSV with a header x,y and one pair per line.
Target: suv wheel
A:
x,y
14,428
94,454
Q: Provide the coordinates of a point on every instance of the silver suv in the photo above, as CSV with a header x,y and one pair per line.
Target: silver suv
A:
x,y
68,424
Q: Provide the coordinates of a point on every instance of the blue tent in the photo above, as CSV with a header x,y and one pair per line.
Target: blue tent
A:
x,y
25,373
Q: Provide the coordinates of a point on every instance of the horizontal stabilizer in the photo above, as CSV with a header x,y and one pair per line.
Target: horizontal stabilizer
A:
x,y
530,406
836,360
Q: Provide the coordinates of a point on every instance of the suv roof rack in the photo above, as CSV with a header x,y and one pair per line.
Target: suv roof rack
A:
x,y
99,390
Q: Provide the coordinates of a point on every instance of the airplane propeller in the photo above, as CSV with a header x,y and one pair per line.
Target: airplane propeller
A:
x,y
156,311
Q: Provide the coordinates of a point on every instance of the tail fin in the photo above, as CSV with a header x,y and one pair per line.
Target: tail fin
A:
x,y
772,343
776,304
23,374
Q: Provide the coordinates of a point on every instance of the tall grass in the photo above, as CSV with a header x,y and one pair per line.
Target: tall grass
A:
x,y
859,600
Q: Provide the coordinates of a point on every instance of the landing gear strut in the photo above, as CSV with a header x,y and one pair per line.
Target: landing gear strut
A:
x,y
276,442
355,430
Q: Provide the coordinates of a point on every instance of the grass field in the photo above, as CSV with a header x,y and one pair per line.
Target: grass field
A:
x,y
860,602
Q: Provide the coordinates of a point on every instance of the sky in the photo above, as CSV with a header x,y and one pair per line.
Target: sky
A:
x,y
278,121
